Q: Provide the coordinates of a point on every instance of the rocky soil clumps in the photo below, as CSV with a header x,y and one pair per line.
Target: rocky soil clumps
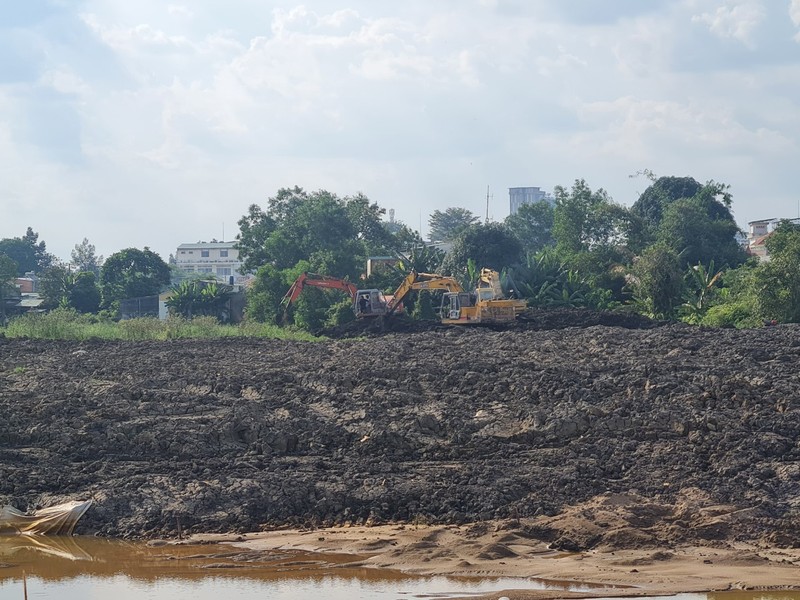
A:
x,y
696,430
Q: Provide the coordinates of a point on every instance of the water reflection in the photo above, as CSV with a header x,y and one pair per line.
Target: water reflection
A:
x,y
73,568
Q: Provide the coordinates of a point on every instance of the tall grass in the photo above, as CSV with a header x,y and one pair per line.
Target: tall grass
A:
x,y
64,324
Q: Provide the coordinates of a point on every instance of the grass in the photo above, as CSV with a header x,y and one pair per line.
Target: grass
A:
x,y
63,324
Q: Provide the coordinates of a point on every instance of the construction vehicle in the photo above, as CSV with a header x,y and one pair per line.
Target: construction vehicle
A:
x,y
373,301
486,304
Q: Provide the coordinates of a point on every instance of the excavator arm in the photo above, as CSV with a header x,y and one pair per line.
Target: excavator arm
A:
x,y
314,280
421,281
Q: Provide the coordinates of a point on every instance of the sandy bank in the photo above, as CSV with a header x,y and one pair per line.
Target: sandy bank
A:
x,y
492,549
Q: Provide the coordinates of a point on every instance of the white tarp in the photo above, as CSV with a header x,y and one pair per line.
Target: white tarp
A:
x,y
55,520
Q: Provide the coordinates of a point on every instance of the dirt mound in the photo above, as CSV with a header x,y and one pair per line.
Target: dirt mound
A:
x,y
533,319
608,436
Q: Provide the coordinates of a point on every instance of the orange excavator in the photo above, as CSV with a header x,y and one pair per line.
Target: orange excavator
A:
x,y
366,303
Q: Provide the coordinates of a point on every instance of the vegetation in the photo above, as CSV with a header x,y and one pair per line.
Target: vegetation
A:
x,y
673,254
68,324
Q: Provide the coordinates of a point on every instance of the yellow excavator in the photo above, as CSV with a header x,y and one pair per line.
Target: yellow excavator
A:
x,y
486,304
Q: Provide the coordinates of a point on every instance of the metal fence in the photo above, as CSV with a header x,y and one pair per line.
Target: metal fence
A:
x,y
132,308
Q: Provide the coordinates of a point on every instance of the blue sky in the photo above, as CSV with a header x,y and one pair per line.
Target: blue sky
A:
x,y
152,124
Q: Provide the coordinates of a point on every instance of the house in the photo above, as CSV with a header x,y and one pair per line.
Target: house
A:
x,y
757,234
217,259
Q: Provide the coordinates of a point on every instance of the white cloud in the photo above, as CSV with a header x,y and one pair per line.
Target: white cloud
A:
x,y
794,15
180,10
182,118
737,20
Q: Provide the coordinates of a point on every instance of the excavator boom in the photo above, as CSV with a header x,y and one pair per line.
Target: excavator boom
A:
x,y
315,280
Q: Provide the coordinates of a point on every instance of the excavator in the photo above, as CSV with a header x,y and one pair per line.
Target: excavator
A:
x,y
486,304
366,303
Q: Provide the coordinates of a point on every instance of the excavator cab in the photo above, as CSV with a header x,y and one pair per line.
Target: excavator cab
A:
x,y
453,302
369,303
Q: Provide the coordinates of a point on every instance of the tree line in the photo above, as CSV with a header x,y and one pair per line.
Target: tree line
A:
x,y
673,254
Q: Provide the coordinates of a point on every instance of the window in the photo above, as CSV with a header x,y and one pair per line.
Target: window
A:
x,y
204,253
204,269
223,253
224,271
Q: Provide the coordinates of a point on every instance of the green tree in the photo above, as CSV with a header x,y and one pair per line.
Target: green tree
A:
x,y
55,284
264,295
702,230
663,192
8,272
777,282
446,226
132,273
701,283
366,217
85,294
315,227
585,220
84,258
490,245
254,229
200,298
657,282
27,252
533,226
595,237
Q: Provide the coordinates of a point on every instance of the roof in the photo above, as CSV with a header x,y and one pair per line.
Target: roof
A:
x,y
30,301
222,245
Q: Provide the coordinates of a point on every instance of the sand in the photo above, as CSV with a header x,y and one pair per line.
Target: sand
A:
x,y
492,549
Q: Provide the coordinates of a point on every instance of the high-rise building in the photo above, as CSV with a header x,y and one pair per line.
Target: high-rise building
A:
x,y
518,196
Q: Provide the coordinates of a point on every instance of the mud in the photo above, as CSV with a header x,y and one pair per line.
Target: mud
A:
x,y
595,436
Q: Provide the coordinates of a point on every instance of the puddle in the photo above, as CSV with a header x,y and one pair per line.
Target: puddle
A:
x,y
77,568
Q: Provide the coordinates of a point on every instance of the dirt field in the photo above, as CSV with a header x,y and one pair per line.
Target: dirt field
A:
x,y
598,437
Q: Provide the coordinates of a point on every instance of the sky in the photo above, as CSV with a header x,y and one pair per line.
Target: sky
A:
x,y
153,124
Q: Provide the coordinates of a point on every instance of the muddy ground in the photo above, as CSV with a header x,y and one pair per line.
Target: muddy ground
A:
x,y
599,436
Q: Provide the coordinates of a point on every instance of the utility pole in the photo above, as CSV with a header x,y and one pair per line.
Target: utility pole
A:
x,y
487,202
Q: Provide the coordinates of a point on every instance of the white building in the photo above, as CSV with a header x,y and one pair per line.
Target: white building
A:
x,y
219,259
518,196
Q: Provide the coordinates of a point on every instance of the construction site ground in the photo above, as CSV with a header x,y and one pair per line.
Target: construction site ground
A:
x,y
573,430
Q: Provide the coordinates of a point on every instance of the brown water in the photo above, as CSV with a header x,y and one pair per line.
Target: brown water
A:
x,y
79,568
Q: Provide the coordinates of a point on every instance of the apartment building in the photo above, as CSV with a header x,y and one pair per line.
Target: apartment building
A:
x,y
217,259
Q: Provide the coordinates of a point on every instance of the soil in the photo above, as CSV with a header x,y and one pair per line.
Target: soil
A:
x,y
576,431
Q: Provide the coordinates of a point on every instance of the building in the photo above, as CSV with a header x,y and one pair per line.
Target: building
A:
x,y
518,196
217,259
757,234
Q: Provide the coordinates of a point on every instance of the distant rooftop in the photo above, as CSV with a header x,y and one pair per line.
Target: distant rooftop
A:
x,y
208,245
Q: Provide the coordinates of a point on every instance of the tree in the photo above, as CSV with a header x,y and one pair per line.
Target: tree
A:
x,y
533,226
27,252
702,230
84,257
663,192
657,282
196,298
315,227
777,282
491,245
594,236
8,272
445,226
584,220
55,284
366,216
254,229
85,295
132,273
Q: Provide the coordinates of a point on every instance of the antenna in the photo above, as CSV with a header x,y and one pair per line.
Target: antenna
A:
x,y
487,202
223,231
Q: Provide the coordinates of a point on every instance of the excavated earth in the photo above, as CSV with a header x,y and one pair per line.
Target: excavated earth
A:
x,y
581,429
